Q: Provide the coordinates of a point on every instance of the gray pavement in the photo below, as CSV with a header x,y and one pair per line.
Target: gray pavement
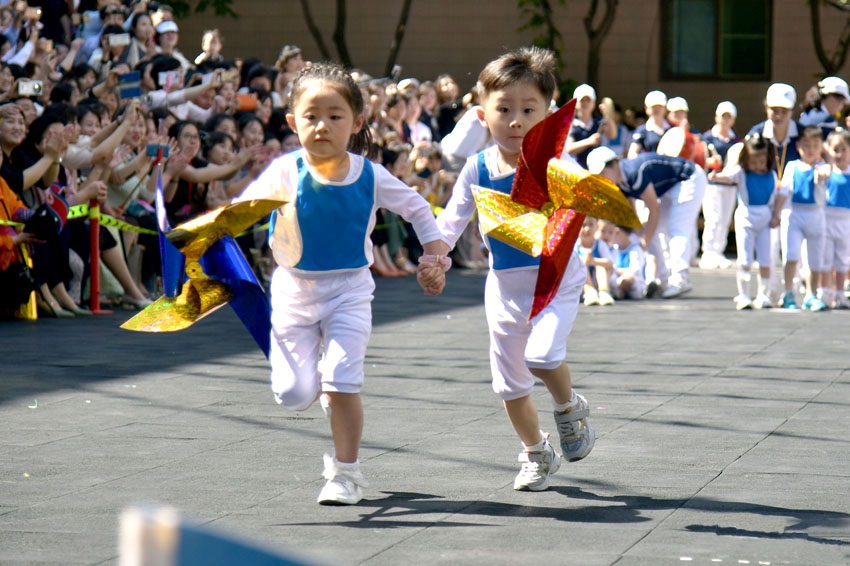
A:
x,y
722,438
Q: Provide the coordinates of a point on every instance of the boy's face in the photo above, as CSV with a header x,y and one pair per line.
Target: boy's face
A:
x,y
605,231
622,238
810,149
588,229
510,112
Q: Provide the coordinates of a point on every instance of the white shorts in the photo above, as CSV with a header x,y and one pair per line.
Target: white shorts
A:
x,y
320,330
805,222
836,245
517,344
637,290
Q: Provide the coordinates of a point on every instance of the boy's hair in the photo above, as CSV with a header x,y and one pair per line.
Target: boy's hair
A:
x,y
627,229
755,143
532,64
343,83
811,132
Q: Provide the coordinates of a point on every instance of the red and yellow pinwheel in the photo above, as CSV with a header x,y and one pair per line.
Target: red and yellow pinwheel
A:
x,y
548,202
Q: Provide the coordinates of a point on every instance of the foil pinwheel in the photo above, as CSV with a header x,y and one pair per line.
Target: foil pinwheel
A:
x,y
549,200
204,269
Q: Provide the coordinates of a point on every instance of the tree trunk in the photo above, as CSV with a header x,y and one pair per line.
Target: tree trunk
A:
x,y
339,34
596,36
830,64
314,30
400,30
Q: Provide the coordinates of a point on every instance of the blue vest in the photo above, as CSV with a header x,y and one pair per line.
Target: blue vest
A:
x,y
504,256
804,187
760,188
838,190
334,220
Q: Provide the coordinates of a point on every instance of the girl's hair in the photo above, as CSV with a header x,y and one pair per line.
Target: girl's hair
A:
x,y
216,119
84,109
533,65
215,138
341,81
811,132
245,119
840,133
755,143
177,128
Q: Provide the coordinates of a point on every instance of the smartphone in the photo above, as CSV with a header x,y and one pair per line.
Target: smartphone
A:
x,y
119,39
167,79
153,150
130,85
247,101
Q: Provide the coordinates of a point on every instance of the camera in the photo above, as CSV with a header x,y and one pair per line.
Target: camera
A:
x,y
30,88
119,39
32,14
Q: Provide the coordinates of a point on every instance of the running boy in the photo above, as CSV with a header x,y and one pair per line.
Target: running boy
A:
x,y
516,90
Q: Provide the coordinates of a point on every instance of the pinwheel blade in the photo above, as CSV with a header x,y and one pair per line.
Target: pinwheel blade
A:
x,y
543,142
561,234
572,186
509,222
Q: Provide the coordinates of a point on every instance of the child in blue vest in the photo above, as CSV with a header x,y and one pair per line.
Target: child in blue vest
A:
x,y
759,207
516,90
321,289
630,263
804,187
837,240
599,261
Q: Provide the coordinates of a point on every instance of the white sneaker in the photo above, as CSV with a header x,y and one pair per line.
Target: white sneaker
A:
x,y
591,296
762,301
605,299
841,302
577,436
344,485
677,290
743,302
537,467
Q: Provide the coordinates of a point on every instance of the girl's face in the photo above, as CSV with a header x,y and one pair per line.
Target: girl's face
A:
x,y
757,161
402,167
677,116
90,124
448,89
86,81
428,100
294,64
413,110
725,120
252,134
263,111
13,129
398,112
6,79
324,121
221,153
658,111
273,146
839,151
228,127
779,116
144,28
189,141
290,143
135,135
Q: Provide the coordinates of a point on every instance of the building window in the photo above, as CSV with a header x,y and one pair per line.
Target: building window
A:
x,y
716,39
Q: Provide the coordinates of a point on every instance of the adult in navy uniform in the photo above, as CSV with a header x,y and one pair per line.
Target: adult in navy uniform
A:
x,y
672,189
587,128
719,201
830,96
647,135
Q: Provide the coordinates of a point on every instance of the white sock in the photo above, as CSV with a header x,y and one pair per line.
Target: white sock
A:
x,y
536,447
562,407
743,278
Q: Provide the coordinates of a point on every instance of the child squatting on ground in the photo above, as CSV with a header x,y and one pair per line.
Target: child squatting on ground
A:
x,y
516,90
322,289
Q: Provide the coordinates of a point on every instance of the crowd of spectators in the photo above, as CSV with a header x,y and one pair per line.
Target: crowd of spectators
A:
x,y
94,102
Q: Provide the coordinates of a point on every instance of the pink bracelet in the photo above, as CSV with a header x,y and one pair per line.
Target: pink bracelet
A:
x,y
444,261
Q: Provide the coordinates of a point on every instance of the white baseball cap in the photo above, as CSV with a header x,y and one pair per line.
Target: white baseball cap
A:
x,y
726,107
599,158
584,90
834,85
655,98
166,26
677,103
781,95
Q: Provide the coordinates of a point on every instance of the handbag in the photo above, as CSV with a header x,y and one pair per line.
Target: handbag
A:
x,y
17,283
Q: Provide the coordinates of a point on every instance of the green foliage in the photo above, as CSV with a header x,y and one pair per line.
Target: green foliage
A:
x,y
183,8
539,19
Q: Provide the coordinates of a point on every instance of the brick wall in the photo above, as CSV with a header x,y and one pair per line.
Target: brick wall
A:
x,y
460,36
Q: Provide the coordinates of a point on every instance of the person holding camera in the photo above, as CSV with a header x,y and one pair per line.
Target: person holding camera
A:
x,y
114,49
